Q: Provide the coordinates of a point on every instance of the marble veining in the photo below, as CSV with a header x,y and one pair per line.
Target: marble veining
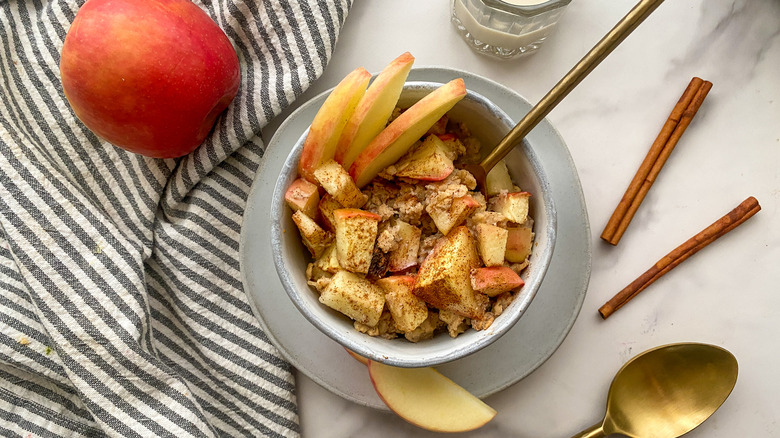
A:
x,y
725,295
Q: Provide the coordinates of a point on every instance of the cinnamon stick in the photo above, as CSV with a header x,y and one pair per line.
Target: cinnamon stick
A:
x,y
731,220
678,121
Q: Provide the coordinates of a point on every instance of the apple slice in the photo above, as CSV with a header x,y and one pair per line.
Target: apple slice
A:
x,y
495,280
373,110
429,162
359,358
428,399
304,196
396,139
320,144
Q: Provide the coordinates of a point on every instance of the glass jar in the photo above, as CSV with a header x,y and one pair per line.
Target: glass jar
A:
x,y
506,29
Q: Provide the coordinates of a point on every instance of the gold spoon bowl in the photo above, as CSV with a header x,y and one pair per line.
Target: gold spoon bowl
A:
x,y
667,391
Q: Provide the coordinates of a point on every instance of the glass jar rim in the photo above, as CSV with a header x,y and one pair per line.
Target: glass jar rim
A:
x,y
536,9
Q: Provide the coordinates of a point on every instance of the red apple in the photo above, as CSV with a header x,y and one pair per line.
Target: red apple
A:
x,y
148,76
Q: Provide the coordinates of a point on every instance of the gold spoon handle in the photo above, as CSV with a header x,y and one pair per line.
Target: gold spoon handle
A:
x,y
595,431
572,78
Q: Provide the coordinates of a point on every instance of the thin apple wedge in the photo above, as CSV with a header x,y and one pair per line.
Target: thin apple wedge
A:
x,y
428,399
396,139
328,124
358,357
373,110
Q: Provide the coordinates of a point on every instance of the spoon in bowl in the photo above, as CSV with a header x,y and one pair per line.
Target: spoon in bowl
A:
x,y
597,54
667,391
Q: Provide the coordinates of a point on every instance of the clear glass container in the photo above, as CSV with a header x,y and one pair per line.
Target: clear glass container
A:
x,y
506,29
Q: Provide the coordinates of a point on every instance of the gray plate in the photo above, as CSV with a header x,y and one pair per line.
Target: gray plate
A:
x,y
519,352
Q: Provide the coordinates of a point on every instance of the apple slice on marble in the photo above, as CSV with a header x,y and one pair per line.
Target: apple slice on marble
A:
x,y
359,358
373,110
328,124
428,399
396,139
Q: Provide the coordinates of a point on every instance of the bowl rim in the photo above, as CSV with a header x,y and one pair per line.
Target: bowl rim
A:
x,y
484,338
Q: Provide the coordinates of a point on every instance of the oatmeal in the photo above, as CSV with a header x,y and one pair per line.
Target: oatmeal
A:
x,y
419,250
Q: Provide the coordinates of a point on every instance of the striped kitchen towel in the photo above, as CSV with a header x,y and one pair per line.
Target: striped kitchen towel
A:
x,y
121,306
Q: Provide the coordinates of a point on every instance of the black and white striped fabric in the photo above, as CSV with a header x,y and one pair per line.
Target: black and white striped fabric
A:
x,y
121,306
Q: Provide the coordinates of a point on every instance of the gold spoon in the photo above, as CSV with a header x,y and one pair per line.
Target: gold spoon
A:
x,y
667,391
564,86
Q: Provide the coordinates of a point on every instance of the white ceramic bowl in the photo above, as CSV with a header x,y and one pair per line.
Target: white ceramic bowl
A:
x,y
487,122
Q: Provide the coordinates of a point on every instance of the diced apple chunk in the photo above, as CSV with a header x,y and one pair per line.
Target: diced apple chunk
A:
x,y
429,162
337,182
426,398
303,195
329,261
327,206
514,206
316,239
491,241
446,219
355,297
495,280
356,232
498,179
404,256
444,278
518,244
407,310
328,124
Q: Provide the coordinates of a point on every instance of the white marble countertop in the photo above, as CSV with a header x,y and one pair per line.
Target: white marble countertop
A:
x,y
725,295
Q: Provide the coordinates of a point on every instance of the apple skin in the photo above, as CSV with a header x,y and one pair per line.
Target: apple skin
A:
x,y
396,139
426,398
149,76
